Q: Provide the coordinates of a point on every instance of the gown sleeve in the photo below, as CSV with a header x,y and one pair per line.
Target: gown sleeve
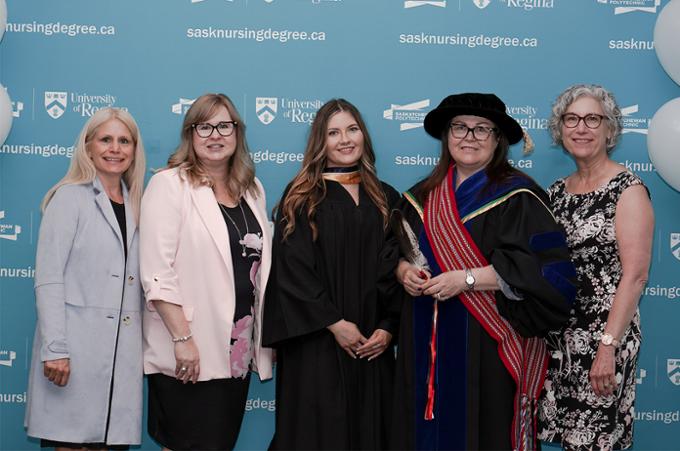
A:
x,y
530,254
297,302
390,293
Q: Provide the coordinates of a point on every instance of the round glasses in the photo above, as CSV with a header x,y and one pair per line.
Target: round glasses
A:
x,y
479,132
592,120
205,130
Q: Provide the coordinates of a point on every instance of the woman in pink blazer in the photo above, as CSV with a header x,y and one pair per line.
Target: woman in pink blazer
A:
x,y
205,254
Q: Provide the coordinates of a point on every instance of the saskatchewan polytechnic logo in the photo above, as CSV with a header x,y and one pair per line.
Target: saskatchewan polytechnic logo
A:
x,y
632,124
411,115
182,106
55,103
416,3
7,358
673,370
675,245
266,108
9,231
17,108
629,6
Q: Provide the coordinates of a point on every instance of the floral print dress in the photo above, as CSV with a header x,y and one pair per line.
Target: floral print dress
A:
x,y
245,239
570,412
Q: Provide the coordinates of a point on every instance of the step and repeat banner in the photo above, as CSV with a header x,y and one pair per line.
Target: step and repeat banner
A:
x,y
280,60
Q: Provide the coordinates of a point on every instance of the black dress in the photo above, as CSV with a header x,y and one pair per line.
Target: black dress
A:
x,y
473,407
324,398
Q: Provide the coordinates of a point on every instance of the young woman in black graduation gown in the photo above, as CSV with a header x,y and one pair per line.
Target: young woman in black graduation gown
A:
x,y
332,304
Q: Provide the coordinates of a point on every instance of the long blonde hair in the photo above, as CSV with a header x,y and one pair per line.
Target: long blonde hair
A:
x,y
308,188
82,170
240,166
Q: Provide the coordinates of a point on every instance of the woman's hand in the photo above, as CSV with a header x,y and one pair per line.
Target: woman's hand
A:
x,y
446,285
602,373
411,277
57,371
347,336
376,344
187,367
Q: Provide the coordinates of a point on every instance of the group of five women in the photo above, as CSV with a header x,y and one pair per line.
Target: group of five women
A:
x,y
501,339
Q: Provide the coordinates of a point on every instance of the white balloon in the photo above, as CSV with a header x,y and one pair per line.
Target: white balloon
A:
x,y
5,114
663,142
667,37
3,18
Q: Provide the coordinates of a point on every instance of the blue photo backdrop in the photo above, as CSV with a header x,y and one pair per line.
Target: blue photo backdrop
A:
x,y
279,60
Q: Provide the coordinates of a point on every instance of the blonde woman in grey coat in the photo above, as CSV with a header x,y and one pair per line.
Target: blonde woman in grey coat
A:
x,y
85,384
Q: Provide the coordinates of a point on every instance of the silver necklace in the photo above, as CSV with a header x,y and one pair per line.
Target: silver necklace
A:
x,y
242,240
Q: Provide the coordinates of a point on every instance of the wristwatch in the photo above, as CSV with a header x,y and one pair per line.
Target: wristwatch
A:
x,y
469,279
607,339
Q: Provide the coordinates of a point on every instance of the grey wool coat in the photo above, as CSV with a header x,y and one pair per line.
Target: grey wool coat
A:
x,y
88,304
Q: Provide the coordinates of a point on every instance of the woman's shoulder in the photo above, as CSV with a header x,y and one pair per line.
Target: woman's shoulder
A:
x,y
622,181
72,191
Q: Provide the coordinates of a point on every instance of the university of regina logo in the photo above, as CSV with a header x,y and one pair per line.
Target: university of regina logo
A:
x,y
55,103
675,245
481,4
266,108
673,368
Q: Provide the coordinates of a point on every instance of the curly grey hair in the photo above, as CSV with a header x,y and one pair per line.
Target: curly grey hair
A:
x,y
611,110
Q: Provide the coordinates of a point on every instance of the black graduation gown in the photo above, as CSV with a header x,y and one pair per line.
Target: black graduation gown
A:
x,y
474,391
324,398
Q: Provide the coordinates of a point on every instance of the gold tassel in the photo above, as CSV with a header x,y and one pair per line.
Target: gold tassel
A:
x,y
528,143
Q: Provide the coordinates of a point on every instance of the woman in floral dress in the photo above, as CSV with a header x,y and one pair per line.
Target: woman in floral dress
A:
x,y
607,214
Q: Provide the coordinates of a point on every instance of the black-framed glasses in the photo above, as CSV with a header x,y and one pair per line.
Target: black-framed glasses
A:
x,y
479,132
592,120
224,128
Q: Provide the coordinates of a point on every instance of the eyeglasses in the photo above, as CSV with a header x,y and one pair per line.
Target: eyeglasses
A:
x,y
479,132
592,120
205,130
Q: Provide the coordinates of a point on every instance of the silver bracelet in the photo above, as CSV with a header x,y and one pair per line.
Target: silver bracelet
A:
x,y
182,339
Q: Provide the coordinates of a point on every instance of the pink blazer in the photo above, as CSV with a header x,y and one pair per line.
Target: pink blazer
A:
x,y
185,259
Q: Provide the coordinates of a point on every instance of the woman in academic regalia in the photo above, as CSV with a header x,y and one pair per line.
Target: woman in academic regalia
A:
x,y
332,302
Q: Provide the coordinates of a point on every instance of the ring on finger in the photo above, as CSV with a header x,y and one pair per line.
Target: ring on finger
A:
x,y
183,369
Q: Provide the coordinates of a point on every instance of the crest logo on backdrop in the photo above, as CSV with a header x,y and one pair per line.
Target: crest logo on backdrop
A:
x,y
55,103
673,370
182,106
9,231
266,109
675,245
481,4
416,3
411,115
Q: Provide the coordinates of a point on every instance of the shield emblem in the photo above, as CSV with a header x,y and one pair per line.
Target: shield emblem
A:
x,y
266,108
55,103
673,367
481,4
675,245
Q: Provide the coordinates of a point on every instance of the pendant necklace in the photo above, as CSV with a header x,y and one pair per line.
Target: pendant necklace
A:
x,y
242,241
